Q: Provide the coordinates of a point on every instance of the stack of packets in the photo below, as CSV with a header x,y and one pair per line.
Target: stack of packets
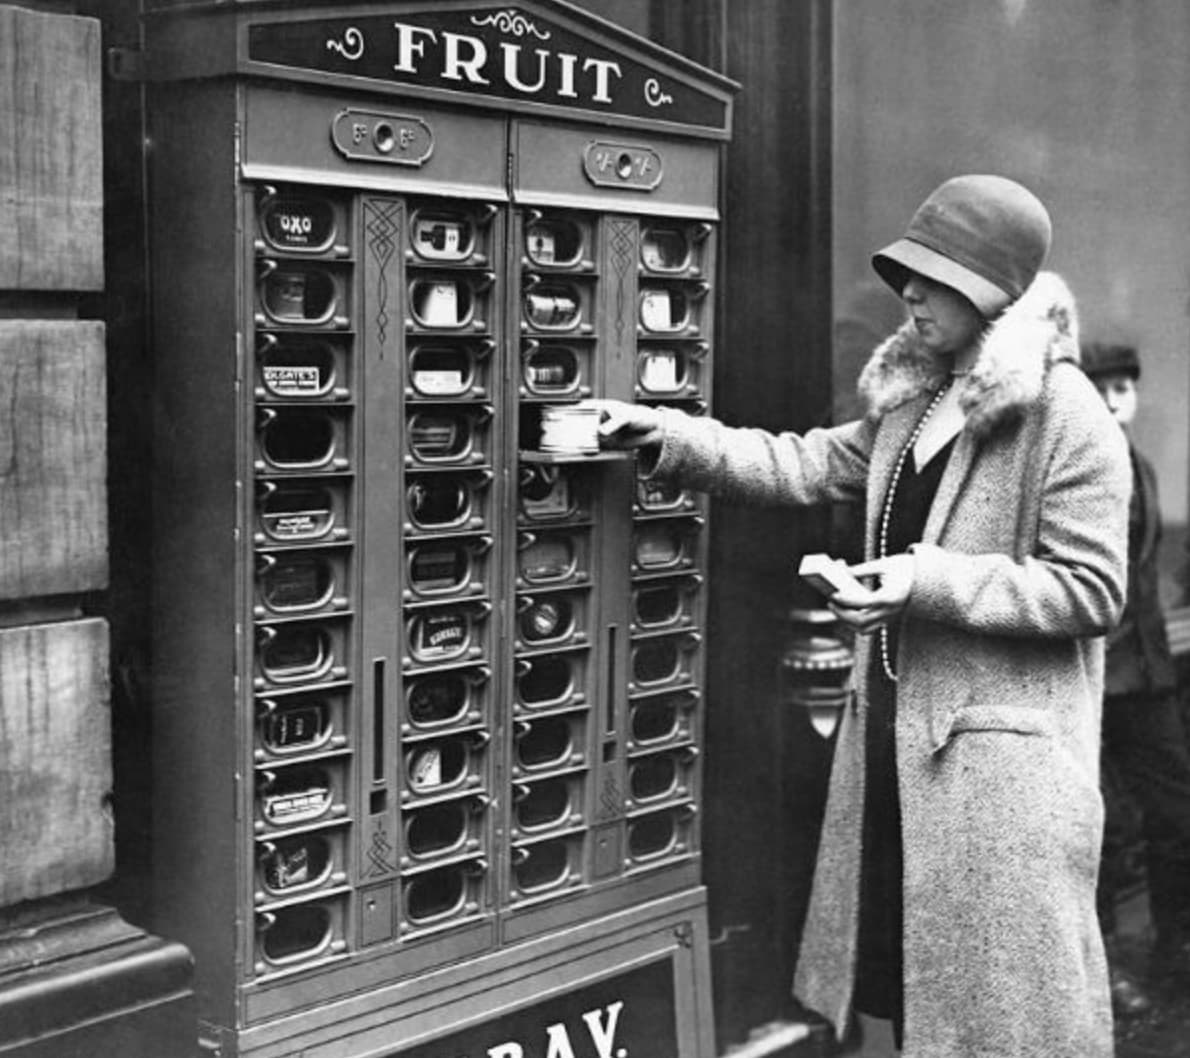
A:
x,y
570,428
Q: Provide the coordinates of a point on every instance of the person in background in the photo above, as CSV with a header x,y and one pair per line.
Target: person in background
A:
x,y
1144,753
954,891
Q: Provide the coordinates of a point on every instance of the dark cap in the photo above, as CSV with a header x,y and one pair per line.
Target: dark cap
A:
x,y
984,236
1109,358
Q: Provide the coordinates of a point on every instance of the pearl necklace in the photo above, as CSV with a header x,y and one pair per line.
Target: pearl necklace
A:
x,y
886,513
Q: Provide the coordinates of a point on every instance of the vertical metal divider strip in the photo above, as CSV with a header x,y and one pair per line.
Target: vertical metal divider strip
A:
x,y
245,856
378,228
503,692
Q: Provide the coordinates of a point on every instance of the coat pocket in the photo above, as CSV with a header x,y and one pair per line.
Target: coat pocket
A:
x,y
1016,719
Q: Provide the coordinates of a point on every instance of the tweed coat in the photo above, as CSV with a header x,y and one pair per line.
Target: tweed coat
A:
x,y
1020,573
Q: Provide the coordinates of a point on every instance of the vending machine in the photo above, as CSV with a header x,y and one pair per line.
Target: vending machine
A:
x,y
429,665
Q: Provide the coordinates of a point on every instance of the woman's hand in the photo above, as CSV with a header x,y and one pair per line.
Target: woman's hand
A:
x,y
866,610
625,426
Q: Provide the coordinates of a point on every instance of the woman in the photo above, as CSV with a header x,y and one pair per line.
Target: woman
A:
x,y
957,897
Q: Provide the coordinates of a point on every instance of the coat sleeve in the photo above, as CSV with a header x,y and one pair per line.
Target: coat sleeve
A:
x,y
755,466
1072,583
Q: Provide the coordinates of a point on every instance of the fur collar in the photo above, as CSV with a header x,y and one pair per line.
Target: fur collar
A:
x,y
1018,349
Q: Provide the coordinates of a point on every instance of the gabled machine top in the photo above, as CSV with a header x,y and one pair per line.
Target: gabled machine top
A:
x,y
539,56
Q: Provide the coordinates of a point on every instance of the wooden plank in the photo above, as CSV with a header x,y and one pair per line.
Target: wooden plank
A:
x,y
55,759
53,495
51,152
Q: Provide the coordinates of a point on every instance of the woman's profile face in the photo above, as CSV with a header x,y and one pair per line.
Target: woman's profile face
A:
x,y
946,321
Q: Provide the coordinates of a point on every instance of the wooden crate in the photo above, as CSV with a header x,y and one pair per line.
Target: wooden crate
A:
x,y
53,453
55,759
51,152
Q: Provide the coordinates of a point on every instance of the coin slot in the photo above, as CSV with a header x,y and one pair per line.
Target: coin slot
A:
x,y
295,933
437,700
435,895
542,866
299,295
546,742
290,864
544,804
653,777
296,439
545,681
438,503
656,662
436,829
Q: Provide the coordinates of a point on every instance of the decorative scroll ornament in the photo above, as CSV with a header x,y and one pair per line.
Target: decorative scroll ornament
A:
x,y
510,21
653,94
351,46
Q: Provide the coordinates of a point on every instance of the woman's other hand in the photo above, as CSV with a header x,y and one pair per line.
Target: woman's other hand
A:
x,y
625,426
866,610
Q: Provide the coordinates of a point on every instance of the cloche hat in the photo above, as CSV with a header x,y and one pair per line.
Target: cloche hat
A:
x,y
1109,358
984,236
